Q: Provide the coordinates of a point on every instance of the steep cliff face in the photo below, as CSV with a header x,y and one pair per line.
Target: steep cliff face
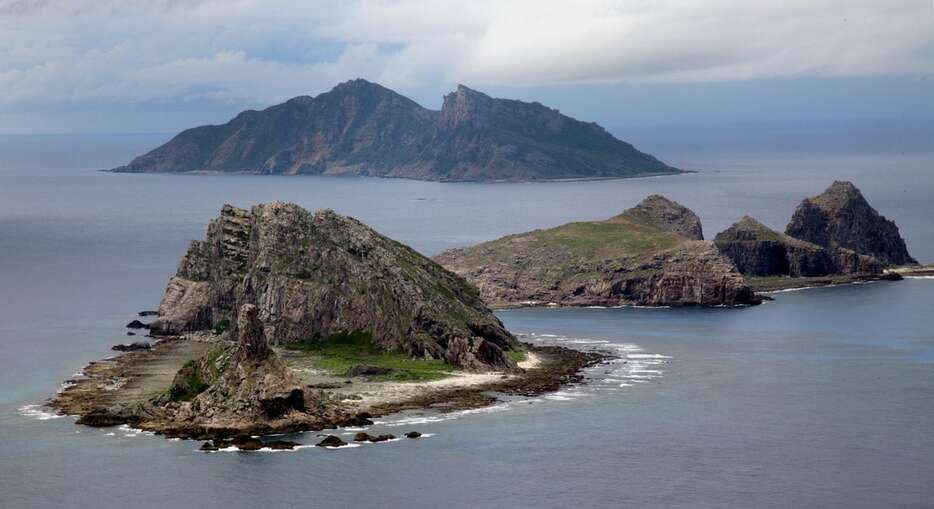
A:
x,y
316,275
841,217
362,128
760,251
634,258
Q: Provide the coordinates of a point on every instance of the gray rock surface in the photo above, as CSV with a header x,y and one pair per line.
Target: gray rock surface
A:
x,y
644,256
758,250
840,217
315,275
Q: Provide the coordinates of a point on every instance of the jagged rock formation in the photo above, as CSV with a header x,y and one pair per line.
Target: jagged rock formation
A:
x,y
315,275
841,217
638,257
757,250
239,387
664,214
362,128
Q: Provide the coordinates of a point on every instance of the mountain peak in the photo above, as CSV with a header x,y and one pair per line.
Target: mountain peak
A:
x,y
363,128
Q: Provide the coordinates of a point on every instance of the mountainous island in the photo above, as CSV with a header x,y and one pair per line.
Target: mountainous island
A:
x,y
284,320
361,128
654,255
651,255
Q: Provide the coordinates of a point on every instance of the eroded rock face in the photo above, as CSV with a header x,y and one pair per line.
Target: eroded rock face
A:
x,y
644,256
239,387
841,217
668,215
760,251
315,275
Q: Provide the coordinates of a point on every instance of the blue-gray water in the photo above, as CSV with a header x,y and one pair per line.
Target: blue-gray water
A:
x,y
822,398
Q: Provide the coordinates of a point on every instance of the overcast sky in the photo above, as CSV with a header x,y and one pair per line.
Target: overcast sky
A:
x,y
163,65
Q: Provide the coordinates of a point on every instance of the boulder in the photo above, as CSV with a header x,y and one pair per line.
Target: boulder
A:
x,y
366,370
413,434
331,441
279,445
136,324
132,347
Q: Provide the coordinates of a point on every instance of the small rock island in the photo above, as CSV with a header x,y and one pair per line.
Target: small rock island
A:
x,y
654,255
284,320
650,255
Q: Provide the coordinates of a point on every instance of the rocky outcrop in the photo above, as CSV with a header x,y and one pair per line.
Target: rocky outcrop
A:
x,y
644,256
760,251
241,387
667,215
362,128
312,276
840,217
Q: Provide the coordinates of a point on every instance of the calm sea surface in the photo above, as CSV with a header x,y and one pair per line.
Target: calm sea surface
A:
x,y
821,398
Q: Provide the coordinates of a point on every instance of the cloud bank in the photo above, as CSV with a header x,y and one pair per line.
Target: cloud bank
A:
x,y
260,52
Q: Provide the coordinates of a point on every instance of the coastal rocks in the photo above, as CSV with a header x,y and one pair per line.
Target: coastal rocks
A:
x,y
331,441
644,256
366,437
760,251
840,217
316,275
413,434
132,347
136,324
362,128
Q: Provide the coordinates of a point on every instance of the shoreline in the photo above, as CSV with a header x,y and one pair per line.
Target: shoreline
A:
x,y
767,285
117,391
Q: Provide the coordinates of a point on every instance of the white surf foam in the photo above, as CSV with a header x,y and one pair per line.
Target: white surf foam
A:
x,y
39,412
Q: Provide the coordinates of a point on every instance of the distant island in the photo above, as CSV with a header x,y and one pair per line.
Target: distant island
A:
x,y
362,128
654,255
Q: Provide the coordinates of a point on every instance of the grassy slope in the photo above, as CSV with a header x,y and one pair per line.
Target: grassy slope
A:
x,y
339,353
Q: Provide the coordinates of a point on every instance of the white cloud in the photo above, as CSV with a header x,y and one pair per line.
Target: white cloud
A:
x,y
262,52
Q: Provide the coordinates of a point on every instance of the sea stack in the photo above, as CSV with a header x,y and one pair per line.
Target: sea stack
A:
x,y
316,275
243,387
842,221
649,255
757,250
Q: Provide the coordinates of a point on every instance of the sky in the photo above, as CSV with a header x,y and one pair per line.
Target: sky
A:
x,y
109,66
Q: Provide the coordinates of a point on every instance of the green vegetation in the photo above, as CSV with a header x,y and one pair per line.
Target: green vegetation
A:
x,y
188,383
221,326
518,356
609,238
341,352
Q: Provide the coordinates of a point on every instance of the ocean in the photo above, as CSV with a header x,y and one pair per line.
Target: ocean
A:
x,y
821,398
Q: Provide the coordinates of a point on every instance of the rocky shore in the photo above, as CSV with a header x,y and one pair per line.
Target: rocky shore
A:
x,y
282,321
136,389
